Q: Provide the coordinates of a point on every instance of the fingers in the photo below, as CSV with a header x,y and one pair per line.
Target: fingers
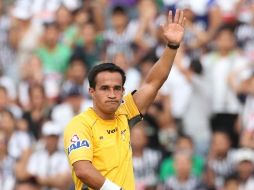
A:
x,y
163,27
177,16
184,21
170,17
181,18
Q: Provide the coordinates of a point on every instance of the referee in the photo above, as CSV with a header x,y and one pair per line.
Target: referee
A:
x,y
97,141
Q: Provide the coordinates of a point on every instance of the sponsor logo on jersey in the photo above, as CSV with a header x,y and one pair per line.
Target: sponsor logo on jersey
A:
x,y
112,131
75,138
78,144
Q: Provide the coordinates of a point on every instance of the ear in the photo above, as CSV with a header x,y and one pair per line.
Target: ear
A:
x,y
91,91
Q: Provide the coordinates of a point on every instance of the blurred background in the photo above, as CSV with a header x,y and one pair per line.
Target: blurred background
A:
x,y
197,135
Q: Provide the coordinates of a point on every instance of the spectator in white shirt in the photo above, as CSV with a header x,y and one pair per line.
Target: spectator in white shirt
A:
x,y
7,178
217,66
73,103
244,166
145,160
6,104
49,166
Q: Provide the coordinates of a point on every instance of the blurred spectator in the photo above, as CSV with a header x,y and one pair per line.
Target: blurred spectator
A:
x,y
49,166
196,117
227,10
9,84
73,104
196,36
183,178
97,12
183,144
145,160
64,20
121,35
217,66
244,166
54,57
19,144
18,140
38,112
145,27
31,74
25,30
8,47
133,77
245,28
231,183
80,18
219,161
76,76
4,23
125,3
244,90
7,178
90,49
6,104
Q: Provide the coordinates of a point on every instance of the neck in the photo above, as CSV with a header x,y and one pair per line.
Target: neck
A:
x,y
183,178
137,152
2,156
224,52
50,47
120,30
90,46
104,116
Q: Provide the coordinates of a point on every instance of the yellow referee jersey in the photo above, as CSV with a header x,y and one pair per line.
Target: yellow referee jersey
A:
x,y
106,143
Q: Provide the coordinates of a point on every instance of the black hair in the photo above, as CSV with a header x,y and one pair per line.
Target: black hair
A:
x,y
225,27
3,88
110,67
51,24
149,57
196,66
186,137
76,58
36,86
118,9
230,178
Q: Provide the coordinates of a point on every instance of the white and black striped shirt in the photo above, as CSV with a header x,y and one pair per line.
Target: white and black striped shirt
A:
x,y
146,167
173,183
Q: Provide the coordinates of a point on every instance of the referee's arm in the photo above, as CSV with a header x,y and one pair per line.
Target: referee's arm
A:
x,y
88,174
173,32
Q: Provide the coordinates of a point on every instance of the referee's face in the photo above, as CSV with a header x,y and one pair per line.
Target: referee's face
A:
x,y
107,94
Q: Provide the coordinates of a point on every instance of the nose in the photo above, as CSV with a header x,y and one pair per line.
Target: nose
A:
x,y
112,94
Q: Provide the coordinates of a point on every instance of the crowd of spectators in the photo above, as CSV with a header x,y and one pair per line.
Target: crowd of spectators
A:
x,y
198,133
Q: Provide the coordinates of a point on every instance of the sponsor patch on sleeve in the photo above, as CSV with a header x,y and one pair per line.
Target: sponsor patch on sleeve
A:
x,y
77,143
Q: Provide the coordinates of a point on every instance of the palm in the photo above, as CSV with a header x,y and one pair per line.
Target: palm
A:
x,y
174,30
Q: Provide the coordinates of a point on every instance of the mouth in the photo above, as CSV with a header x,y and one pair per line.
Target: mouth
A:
x,y
112,102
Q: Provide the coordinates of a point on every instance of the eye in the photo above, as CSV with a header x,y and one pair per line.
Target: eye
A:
x,y
104,88
118,88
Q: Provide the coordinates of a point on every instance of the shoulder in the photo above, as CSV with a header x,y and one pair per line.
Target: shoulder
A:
x,y
82,121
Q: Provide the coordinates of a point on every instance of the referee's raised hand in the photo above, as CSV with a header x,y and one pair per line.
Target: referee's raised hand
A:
x,y
173,29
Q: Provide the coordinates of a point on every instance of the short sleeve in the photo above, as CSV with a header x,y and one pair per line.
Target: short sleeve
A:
x,y
32,164
78,143
130,107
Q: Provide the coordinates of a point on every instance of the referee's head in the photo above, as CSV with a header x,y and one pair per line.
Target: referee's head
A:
x,y
110,67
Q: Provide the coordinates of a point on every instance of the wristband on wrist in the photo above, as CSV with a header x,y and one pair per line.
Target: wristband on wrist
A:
x,y
109,185
170,46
